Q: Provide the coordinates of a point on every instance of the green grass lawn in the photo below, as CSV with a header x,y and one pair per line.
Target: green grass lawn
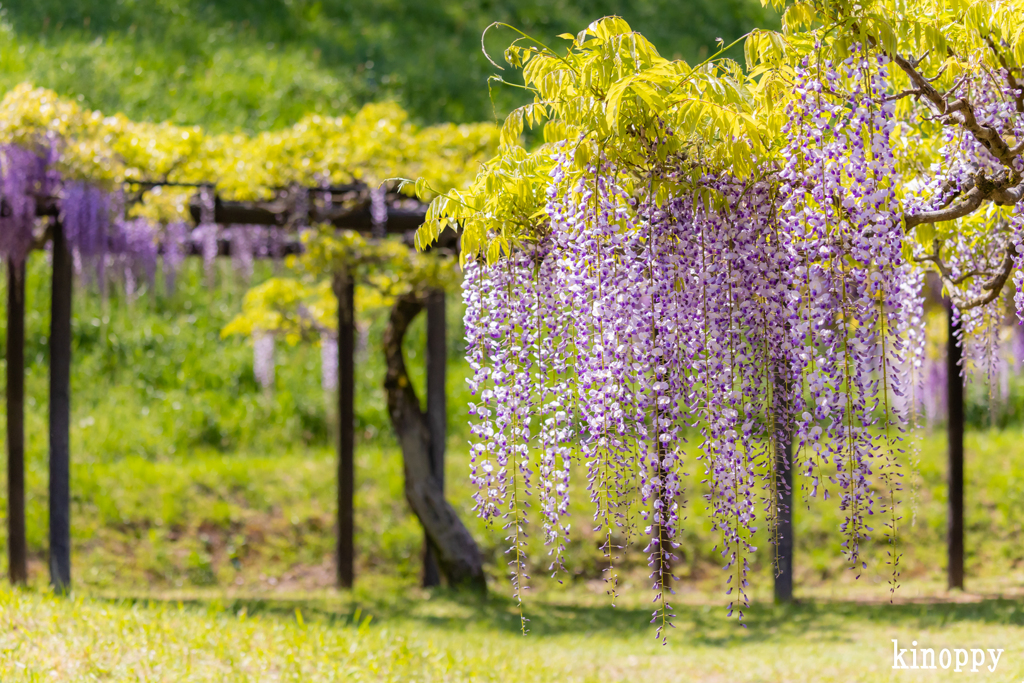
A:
x,y
216,566
386,635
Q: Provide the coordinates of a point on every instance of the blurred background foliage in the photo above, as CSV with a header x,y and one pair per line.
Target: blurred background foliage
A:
x,y
152,377
184,470
183,464
261,64
187,473
178,453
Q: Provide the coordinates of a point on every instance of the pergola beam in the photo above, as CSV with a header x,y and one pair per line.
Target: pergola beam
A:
x,y
346,207
401,219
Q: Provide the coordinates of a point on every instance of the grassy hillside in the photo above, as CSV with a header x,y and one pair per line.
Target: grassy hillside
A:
x,y
260,64
186,473
152,378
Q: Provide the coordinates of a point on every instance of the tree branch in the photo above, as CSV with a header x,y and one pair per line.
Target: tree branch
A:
x,y
959,111
992,287
995,285
968,204
1000,191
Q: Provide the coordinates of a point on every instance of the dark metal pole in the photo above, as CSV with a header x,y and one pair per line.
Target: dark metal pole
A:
x,y
784,546
344,289
60,414
437,410
16,547
955,403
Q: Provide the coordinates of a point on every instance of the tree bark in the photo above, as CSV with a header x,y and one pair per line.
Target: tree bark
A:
x,y
457,554
784,546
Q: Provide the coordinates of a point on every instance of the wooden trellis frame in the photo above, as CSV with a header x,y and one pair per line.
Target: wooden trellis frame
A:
x,y
344,207
347,207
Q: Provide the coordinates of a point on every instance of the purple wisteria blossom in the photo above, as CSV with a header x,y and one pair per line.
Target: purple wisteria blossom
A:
x,y
263,359
379,210
631,334
176,235
21,175
328,361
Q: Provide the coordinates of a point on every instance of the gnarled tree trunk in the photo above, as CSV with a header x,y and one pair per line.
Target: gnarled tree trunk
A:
x,y
457,554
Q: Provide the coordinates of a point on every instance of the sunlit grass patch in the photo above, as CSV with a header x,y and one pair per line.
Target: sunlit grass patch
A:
x,y
43,638
395,635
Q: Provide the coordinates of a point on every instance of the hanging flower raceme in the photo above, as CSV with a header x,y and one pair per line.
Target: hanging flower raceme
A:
x,y
207,231
379,210
328,361
108,243
632,330
263,359
135,246
839,206
86,213
22,174
175,244
243,249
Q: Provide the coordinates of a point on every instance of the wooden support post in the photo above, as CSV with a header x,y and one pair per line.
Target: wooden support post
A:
x,y
785,546
344,289
16,548
955,410
437,410
60,414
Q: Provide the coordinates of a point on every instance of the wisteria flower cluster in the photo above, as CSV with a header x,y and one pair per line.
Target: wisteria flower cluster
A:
x,y
23,173
263,359
969,259
105,240
631,333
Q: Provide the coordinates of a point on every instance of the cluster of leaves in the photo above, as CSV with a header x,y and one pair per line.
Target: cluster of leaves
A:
x,y
303,305
611,94
376,143
791,157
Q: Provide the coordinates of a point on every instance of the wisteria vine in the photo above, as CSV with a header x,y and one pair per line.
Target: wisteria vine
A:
x,y
754,324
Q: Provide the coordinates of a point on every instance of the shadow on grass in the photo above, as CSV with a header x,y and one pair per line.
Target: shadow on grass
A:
x,y
702,625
